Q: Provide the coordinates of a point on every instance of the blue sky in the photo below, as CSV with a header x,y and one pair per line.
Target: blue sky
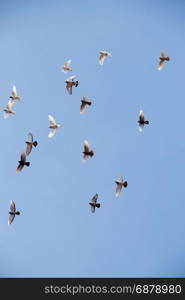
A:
x,y
141,233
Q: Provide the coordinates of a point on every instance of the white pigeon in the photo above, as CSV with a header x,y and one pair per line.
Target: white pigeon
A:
x,y
14,96
65,68
53,126
8,109
12,212
102,55
120,183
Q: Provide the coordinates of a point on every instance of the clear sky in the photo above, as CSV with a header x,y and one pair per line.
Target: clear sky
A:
x,y
141,233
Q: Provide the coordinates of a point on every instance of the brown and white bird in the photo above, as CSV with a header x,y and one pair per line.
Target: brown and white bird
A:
x,y
163,57
70,82
102,55
142,120
30,143
14,96
120,183
84,103
65,68
8,109
87,151
22,162
53,126
12,213
93,204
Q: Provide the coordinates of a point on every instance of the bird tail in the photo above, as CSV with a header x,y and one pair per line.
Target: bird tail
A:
x,y
35,144
98,205
27,163
125,184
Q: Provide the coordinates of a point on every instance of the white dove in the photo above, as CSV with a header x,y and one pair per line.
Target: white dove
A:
x,y
102,55
53,126
65,68
14,96
8,109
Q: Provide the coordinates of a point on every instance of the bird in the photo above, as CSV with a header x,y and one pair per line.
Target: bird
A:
x,y
22,162
120,183
65,68
163,57
30,143
8,109
14,96
102,55
84,102
142,120
12,212
87,151
53,126
93,204
70,82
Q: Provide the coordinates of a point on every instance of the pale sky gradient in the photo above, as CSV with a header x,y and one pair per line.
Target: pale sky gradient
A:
x,y
141,233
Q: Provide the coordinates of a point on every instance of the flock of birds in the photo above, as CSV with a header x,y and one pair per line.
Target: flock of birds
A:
x,y
53,126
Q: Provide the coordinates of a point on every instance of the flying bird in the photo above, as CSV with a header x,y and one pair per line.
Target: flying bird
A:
x,y
70,82
87,151
8,109
65,68
102,55
163,57
93,204
22,162
120,183
84,103
30,143
12,212
53,126
14,96
142,120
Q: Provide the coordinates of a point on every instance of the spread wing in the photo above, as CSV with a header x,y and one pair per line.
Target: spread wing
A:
x,y
51,120
141,116
12,210
10,219
51,132
101,58
85,157
141,126
163,53
67,63
6,115
19,168
23,156
30,138
71,78
160,65
94,199
82,107
12,206
118,189
28,148
120,179
69,88
9,104
86,146
92,208
14,91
